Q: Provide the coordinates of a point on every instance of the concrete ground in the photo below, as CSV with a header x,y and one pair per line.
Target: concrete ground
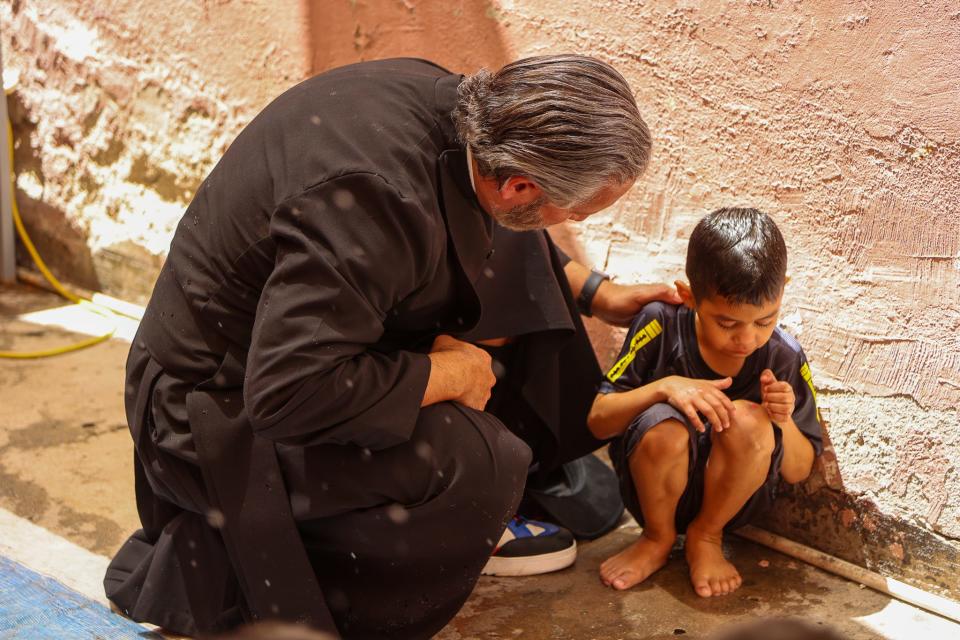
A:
x,y
66,465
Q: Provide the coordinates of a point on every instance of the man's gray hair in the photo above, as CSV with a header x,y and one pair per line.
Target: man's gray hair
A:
x,y
567,122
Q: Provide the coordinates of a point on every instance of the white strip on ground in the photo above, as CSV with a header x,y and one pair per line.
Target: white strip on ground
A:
x,y
79,320
53,556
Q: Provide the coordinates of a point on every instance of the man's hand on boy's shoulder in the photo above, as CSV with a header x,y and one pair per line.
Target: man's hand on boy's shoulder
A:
x,y
777,397
617,304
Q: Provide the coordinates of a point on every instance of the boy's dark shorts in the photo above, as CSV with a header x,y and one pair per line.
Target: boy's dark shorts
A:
x,y
699,451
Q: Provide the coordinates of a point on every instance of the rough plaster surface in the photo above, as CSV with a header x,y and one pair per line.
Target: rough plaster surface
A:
x,y
838,118
120,108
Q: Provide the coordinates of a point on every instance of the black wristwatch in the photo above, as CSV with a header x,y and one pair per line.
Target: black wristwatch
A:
x,y
589,290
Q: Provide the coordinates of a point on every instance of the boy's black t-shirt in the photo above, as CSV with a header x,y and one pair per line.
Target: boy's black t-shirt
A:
x,y
662,342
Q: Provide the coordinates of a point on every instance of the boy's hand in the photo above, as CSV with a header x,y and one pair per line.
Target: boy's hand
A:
x,y
776,396
691,396
617,304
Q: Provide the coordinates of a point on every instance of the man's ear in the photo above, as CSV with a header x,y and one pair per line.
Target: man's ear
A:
x,y
686,294
519,190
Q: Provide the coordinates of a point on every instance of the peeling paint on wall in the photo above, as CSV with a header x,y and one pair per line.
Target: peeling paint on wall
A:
x,y
120,109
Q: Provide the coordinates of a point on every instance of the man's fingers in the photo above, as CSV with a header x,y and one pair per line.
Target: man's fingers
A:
x,y
668,294
444,342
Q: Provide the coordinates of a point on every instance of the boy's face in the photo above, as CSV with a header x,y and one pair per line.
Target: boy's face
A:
x,y
734,330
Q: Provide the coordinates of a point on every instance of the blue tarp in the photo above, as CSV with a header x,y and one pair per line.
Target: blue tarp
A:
x,y
35,607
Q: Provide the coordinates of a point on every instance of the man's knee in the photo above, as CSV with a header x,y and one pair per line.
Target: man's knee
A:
x,y
472,445
750,432
668,440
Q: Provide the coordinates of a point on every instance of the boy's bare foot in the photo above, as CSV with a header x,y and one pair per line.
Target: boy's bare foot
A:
x,y
710,573
636,563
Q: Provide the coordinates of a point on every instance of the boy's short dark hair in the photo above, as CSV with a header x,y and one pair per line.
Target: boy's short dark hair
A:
x,y
738,254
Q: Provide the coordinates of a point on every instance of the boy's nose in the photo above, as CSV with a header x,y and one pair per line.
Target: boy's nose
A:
x,y
745,340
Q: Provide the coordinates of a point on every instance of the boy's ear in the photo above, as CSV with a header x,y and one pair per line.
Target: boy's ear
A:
x,y
686,294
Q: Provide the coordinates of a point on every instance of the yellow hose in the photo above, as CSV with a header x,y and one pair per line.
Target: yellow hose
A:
x,y
87,304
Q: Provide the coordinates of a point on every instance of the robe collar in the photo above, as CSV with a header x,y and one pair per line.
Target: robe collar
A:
x,y
470,228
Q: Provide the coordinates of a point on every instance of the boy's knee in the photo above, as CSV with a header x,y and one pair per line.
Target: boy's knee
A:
x,y
750,430
668,440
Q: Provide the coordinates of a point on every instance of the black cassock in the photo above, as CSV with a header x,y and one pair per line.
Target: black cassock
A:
x,y
284,467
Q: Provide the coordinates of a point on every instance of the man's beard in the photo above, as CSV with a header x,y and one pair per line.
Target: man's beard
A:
x,y
523,217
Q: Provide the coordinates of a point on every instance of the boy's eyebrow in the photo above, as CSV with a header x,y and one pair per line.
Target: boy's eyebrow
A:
x,y
720,316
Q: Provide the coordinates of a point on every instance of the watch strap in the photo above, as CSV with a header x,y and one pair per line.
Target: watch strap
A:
x,y
589,290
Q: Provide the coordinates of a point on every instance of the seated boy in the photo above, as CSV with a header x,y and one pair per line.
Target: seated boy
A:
x,y
710,403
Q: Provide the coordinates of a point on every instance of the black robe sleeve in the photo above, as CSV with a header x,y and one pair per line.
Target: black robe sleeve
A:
x,y
347,250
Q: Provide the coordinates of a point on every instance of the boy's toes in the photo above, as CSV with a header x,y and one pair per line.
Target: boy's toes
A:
x,y
703,589
717,587
609,570
625,580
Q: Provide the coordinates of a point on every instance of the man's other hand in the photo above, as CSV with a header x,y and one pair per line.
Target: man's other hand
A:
x,y
617,304
460,372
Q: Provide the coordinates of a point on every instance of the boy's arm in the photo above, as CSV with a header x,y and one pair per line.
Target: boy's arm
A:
x,y
612,413
779,401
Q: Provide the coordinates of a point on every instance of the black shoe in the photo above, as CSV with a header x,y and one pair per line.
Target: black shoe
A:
x,y
529,548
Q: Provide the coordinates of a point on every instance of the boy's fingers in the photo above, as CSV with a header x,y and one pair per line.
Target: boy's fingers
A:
x,y
694,419
726,402
723,383
778,411
720,411
711,414
779,396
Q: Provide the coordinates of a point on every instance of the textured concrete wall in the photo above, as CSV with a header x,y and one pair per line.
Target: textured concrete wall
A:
x,y
840,119
121,107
